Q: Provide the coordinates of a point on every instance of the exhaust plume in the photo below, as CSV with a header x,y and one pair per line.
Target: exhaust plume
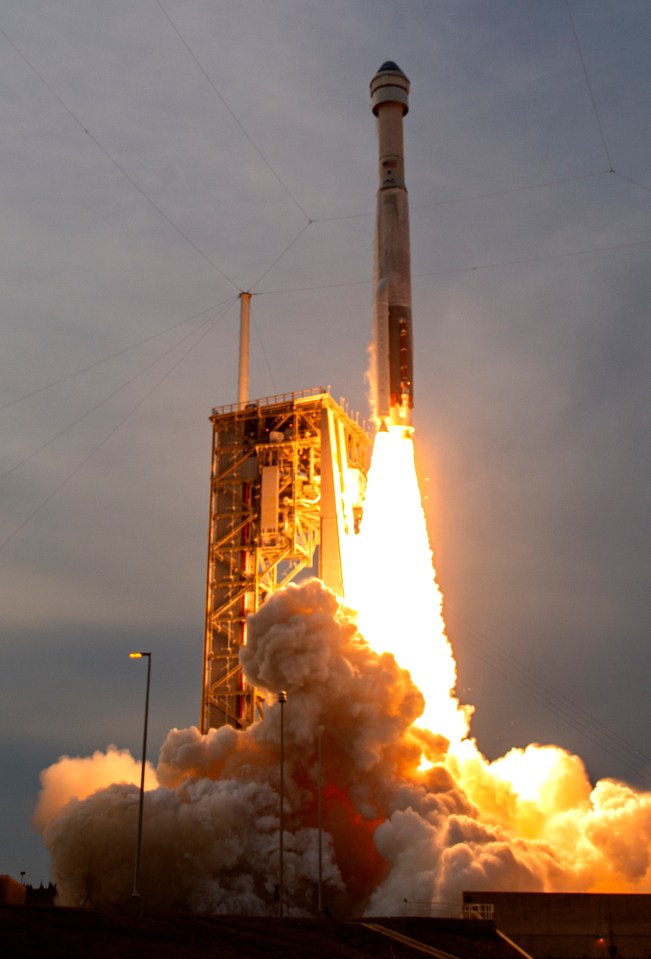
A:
x,y
412,812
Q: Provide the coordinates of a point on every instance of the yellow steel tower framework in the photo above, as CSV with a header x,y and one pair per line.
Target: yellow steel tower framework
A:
x,y
288,478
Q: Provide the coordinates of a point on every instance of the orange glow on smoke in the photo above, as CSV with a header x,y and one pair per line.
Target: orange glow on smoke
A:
x,y
393,833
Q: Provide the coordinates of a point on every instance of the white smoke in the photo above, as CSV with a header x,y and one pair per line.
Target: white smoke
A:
x,y
392,832
80,777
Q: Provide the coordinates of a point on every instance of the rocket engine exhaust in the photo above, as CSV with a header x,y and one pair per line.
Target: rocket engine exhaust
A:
x,y
392,382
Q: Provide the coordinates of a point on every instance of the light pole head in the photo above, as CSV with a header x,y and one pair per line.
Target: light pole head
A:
x,y
138,655
282,696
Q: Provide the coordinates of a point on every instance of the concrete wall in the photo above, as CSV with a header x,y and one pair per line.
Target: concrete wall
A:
x,y
573,925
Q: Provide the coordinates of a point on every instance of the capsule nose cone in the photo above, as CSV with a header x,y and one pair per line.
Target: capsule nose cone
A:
x,y
389,85
389,66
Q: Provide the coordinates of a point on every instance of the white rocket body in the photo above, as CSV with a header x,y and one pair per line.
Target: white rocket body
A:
x,y
393,379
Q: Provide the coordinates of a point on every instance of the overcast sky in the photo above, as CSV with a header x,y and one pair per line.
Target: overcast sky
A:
x,y
159,157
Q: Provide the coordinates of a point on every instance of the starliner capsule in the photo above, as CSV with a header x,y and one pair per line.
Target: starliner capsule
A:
x,y
392,378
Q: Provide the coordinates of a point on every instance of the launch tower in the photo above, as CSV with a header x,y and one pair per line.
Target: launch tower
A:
x,y
288,478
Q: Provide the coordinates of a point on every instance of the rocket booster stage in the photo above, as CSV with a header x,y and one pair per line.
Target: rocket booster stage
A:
x,y
393,375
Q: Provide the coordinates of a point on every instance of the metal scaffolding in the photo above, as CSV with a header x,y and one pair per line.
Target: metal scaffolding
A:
x,y
288,479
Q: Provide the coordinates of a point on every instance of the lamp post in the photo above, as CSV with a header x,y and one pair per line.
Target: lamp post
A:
x,y
319,907
135,896
282,699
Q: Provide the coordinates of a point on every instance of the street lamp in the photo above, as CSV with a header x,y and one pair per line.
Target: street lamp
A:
x,y
282,699
319,907
135,897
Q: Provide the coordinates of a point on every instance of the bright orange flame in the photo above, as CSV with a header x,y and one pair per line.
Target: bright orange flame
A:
x,y
539,794
391,584
530,771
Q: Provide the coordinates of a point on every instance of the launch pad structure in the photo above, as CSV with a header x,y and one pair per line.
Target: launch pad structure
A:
x,y
287,484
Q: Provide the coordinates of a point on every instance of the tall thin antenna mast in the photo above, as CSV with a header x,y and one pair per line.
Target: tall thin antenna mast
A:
x,y
245,322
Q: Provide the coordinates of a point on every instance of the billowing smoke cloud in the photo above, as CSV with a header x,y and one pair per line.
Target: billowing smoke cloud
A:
x,y
394,831
81,777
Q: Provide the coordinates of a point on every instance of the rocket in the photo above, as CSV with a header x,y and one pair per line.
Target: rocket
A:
x,y
392,377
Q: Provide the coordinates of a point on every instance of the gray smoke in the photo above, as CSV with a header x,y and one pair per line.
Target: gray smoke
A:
x,y
392,832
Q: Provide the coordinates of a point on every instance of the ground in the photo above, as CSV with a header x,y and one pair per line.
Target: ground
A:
x,y
73,933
